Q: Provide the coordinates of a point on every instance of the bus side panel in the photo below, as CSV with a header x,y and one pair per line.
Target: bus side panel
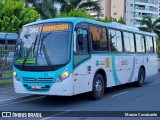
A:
x,y
152,63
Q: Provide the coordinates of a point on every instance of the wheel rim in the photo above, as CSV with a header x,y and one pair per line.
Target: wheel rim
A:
x,y
98,87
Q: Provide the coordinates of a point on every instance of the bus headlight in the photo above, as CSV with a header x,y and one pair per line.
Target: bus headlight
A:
x,y
63,76
15,76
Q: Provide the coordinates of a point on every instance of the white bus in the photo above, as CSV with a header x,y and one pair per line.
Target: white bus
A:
x,y
69,56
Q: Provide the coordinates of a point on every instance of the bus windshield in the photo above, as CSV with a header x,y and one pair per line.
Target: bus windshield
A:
x,y
44,45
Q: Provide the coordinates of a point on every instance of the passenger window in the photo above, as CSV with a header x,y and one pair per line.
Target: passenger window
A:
x,y
129,42
149,44
115,39
99,38
140,46
155,45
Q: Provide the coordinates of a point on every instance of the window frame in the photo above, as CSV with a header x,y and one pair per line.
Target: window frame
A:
x,y
85,27
89,51
153,51
154,44
91,47
144,43
122,40
134,40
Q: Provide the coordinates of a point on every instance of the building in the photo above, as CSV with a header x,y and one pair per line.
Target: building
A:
x,y
131,10
103,11
114,8
117,8
136,9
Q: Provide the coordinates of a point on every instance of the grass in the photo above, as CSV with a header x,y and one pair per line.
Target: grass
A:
x,y
6,82
7,74
6,78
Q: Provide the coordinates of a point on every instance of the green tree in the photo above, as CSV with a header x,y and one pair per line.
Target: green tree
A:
x,y
111,19
68,5
121,20
45,8
150,26
77,13
13,15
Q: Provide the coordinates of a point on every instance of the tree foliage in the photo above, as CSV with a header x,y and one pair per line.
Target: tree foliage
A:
x,y
45,8
111,19
68,5
77,13
13,15
150,26
121,20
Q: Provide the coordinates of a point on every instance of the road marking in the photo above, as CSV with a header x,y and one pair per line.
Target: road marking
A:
x,y
14,98
153,83
56,115
5,104
120,94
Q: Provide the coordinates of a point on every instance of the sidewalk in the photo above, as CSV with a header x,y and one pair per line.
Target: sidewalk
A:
x,y
7,93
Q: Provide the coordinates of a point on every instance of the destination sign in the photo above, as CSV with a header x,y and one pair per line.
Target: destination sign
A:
x,y
49,28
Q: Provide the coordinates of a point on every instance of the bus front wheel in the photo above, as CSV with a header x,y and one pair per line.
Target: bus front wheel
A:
x,y
98,87
141,78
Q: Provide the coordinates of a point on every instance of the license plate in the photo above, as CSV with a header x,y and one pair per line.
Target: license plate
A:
x,y
36,87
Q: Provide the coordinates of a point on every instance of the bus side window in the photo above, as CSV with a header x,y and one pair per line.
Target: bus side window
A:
x,y
82,41
115,39
155,45
149,44
140,44
82,46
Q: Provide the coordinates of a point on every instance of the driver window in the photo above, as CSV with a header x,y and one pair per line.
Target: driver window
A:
x,y
82,41
82,46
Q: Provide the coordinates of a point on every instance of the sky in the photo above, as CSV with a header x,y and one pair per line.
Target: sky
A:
x,y
57,6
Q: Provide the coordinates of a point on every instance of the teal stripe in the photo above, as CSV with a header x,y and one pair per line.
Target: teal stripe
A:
x,y
115,76
133,70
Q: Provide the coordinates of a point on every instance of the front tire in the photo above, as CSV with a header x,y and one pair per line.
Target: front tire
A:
x,y
141,78
98,87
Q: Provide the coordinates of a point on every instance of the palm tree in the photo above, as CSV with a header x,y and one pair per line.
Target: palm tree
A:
x,y
67,5
150,26
45,8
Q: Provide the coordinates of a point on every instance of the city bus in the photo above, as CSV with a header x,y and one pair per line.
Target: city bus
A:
x,y
70,56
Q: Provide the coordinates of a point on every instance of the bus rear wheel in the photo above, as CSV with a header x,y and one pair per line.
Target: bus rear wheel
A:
x,y
98,87
141,78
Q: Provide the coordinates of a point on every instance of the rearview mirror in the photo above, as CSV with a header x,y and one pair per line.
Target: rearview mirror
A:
x,y
9,58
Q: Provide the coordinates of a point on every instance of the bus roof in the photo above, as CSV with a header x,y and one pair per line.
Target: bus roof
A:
x,y
8,36
111,24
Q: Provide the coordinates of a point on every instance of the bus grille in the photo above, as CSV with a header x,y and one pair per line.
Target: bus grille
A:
x,y
37,80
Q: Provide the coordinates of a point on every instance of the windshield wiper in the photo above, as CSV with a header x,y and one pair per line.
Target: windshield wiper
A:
x,y
46,55
26,57
43,39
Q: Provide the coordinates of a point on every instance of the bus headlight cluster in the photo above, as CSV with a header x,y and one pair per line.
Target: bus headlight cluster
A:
x,y
15,76
63,76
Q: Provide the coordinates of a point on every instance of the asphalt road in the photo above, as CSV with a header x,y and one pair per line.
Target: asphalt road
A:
x,y
121,98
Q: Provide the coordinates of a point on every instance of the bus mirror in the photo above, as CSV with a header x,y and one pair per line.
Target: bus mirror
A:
x,y
80,39
10,58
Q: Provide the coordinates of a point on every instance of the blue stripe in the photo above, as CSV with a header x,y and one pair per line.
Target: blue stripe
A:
x,y
133,69
115,76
